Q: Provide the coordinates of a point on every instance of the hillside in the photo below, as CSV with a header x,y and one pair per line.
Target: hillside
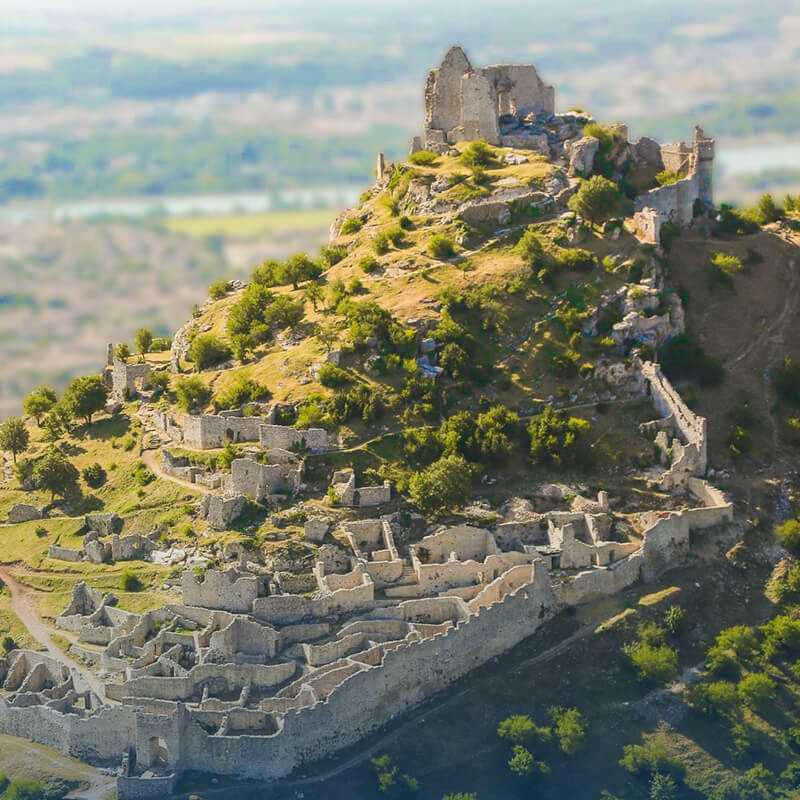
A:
x,y
535,392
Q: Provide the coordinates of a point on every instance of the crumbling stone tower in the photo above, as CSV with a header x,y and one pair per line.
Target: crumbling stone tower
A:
x,y
463,103
703,151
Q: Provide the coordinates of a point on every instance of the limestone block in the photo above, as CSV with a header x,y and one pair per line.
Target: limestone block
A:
x,y
96,551
316,528
23,512
220,512
581,156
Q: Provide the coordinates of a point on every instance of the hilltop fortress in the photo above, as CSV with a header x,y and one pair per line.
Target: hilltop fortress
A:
x,y
509,105
263,664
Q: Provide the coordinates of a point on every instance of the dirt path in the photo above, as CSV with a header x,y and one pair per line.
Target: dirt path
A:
x,y
152,460
23,606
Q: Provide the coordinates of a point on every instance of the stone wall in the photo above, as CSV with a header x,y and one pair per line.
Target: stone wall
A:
x,y
229,591
691,458
286,438
257,481
464,103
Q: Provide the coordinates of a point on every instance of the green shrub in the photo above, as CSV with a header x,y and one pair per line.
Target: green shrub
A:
x,y
766,210
520,728
332,376
382,243
440,246
443,486
788,534
351,225
653,663
781,635
650,758
129,581
674,618
208,350
531,247
142,475
726,263
597,200
478,154
733,646
557,438
93,475
756,690
219,289
423,158
663,787
191,392
523,764
369,264
668,177
160,380
239,391
297,268
570,729
575,258
332,254
713,699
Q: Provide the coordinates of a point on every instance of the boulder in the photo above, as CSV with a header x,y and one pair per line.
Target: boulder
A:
x,y
96,551
316,528
581,156
648,151
23,512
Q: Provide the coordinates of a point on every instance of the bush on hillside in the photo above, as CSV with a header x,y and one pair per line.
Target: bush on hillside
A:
x,y
423,158
557,438
93,475
478,154
440,246
788,534
219,289
597,200
208,350
191,393
443,486
237,392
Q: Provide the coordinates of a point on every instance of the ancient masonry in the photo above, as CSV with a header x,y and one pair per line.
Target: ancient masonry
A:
x,y
509,105
249,679
269,663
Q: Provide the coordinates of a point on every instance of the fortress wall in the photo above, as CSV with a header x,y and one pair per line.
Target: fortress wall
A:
x,y
286,438
690,426
371,697
220,590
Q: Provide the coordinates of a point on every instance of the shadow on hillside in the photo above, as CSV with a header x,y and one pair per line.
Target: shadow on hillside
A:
x,y
106,428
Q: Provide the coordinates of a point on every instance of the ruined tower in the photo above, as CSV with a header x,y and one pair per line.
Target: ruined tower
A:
x,y
463,103
703,150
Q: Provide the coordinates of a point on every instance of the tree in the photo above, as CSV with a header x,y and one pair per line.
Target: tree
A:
x,y
556,438
663,787
597,199
494,432
444,485
756,690
14,436
521,762
57,422
143,339
531,248
85,396
299,267
520,728
208,350
328,336
284,313
314,294
766,210
570,728
55,474
191,392
39,402
122,351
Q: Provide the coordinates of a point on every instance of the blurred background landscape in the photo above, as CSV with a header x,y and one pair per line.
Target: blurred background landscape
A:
x,y
149,148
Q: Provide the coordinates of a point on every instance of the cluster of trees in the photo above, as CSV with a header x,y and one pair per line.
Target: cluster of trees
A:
x,y
144,342
568,730
255,315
